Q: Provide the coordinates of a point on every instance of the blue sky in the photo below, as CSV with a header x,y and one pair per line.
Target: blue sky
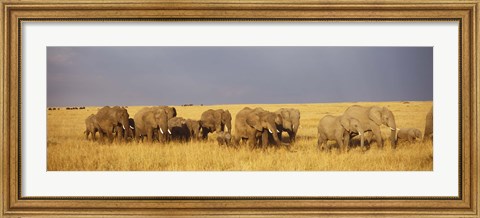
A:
x,y
96,76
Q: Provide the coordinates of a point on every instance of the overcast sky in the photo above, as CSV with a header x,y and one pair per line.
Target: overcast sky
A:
x,y
96,76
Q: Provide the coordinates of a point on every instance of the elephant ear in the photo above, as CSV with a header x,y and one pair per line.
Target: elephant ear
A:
x,y
279,119
174,112
225,116
375,114
228,114
345,122
285,115
189,124
253,120
297,113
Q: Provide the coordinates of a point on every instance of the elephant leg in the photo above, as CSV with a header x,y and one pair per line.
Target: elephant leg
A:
x,y
264,139
320,143
236,140
205,133
137,136
100,135
86,134
378,136
252,139
119,133
339,137
150,135
94,138
346,139
184,138
104,137
362,139
110,136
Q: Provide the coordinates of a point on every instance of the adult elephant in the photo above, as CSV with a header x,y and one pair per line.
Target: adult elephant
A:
x,y
428,133
215,121
149,120
338,128
111,119
290,122
91,127
179,129
254,124
371,118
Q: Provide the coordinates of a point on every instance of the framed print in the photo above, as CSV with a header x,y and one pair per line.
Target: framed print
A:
x,y
255,108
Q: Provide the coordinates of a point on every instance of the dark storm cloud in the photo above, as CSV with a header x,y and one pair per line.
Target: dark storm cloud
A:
x,y
234,75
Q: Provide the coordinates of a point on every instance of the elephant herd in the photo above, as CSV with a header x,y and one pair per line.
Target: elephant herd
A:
x,y
255,126
359,121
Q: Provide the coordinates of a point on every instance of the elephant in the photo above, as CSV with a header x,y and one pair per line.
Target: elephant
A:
x,y
130,133
291,122
215,121
149,120
194,127
408,134
371,118
131,125
224,138
91,126
428,133
112,119
179,129
338,128
254,124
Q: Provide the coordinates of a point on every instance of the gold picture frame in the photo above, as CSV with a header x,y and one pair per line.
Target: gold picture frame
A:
x,y
16,12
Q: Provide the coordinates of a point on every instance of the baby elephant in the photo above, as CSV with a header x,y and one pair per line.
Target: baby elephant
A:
x,y
338,128
224,138
91,126
409,134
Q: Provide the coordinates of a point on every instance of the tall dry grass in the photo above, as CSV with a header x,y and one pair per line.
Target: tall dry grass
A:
x,y
67,149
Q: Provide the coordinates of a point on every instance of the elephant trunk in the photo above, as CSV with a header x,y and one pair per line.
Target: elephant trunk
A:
x,y
228,127
362,137
163,132
125,127
392,137
275,137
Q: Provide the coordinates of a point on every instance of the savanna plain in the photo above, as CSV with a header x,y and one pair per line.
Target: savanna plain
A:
x,y
68,150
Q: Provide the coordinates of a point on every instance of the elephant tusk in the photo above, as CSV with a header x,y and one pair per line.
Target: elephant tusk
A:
x,y
392,128
270,131
278,131
123,127
131,127
161,130
293,126
169,131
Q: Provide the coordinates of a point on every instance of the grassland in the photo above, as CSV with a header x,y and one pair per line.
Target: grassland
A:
x,y
67,149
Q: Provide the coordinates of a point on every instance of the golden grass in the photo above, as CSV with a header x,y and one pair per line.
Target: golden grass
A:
x,y
67,150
